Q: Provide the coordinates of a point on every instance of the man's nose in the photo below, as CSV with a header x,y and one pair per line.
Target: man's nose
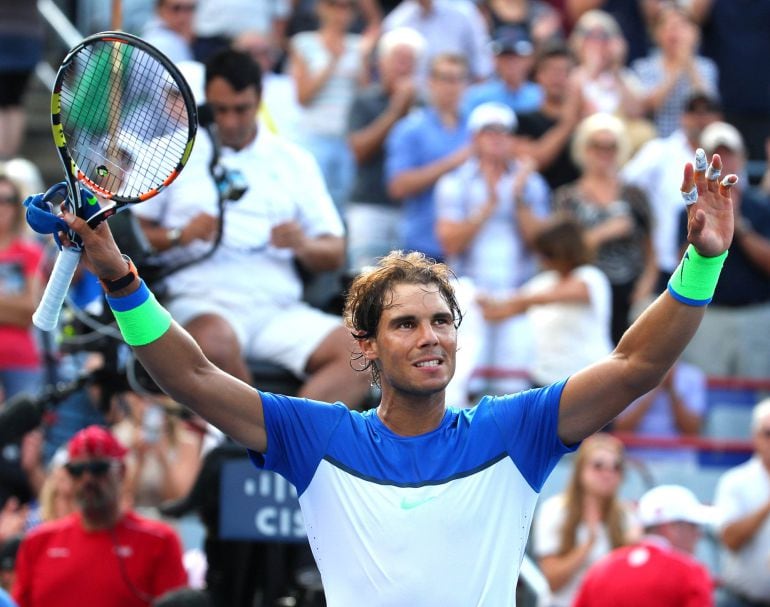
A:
x,y
427,334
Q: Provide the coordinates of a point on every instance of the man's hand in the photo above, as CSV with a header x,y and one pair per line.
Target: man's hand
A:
x,y
288,235
201,227
710,221
101,255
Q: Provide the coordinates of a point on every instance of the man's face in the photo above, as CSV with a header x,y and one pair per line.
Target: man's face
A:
x,y
513,69
178,15
398,63
96,486
447,84
553,75
235,112
494,142
683,536
416,341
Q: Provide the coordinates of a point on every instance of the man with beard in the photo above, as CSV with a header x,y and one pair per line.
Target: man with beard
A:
x,y
101,554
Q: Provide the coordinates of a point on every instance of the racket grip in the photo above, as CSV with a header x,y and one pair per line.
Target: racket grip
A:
x,y
46,317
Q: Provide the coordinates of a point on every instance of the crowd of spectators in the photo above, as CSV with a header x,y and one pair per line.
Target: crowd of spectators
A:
x,y
535,146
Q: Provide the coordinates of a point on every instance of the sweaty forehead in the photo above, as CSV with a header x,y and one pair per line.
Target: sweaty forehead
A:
x,y
407,295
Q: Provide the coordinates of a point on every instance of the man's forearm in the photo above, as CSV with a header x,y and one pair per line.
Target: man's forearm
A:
x,y
322,253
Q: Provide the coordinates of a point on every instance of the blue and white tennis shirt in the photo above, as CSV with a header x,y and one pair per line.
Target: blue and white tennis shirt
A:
x,y
436,520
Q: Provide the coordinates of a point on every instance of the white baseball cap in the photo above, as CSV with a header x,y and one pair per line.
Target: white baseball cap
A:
x,y
721,134
672,503
491,113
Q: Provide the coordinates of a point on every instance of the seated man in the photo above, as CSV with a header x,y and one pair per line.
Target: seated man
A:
x,y
284,219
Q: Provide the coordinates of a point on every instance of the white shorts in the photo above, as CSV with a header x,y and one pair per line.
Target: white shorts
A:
x,y
287,335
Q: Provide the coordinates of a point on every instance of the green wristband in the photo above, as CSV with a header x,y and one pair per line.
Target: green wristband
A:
x,y
140,317
695,279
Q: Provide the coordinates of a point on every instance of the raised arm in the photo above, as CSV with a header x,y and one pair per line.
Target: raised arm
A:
x,y
173,359
595,395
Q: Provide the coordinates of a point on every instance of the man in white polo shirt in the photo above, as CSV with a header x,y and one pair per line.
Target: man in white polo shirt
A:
x,y
244,301
743,504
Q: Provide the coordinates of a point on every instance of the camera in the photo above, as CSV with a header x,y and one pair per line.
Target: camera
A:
x,y
231,183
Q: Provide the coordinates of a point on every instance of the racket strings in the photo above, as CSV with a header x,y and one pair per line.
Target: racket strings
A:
x,y
124,118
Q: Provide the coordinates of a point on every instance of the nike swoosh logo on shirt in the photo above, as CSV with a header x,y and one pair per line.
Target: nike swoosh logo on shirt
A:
x,y
407,504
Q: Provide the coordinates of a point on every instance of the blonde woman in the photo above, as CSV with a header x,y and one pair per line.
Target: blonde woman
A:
x,y
579,526
616,216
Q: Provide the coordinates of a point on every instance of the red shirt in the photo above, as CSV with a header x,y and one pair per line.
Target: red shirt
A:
x,y
648,573
60,563
19,262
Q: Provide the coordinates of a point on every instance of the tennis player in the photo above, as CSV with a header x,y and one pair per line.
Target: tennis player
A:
x,y
414,503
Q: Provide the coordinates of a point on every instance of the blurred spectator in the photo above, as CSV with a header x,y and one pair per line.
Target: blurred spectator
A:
x,y
165,454
20,288
57,498
218,23
568,304
632,16
424,146
21,48
675,408
373,216
735,36
659,569
547,130
536,19
328,66
278,223
279,110
605,82
576,528
657,169
742,501
453,27
171,29
615,215
607,85
509,85
488,211
727,342
73,561
674,71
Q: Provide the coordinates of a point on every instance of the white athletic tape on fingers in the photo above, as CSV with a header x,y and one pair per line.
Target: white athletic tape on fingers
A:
x,y
690,197
727,182
700,160
713,174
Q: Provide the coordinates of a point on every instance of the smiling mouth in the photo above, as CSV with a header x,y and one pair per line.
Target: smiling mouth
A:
x,y
429,363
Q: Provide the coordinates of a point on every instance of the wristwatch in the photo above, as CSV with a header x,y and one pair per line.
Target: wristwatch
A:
x,y
121,283
174,236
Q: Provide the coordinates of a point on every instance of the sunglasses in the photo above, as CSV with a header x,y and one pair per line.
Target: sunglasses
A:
x,y
98,467
602,465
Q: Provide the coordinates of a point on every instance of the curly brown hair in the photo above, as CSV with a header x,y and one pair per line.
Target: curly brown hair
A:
x,y
372,292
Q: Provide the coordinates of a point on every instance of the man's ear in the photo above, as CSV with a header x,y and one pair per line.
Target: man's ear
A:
x,y
368,347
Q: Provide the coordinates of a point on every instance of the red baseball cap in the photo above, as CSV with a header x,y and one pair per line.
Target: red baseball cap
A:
x,y
95,441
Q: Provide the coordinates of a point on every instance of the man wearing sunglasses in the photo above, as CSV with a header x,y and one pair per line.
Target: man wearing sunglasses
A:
x,y
102,553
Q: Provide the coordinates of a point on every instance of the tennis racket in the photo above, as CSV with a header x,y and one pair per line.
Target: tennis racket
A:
x,y
124,121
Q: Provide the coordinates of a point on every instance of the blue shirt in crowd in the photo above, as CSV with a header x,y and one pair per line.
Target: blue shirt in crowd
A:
x,y
416,141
